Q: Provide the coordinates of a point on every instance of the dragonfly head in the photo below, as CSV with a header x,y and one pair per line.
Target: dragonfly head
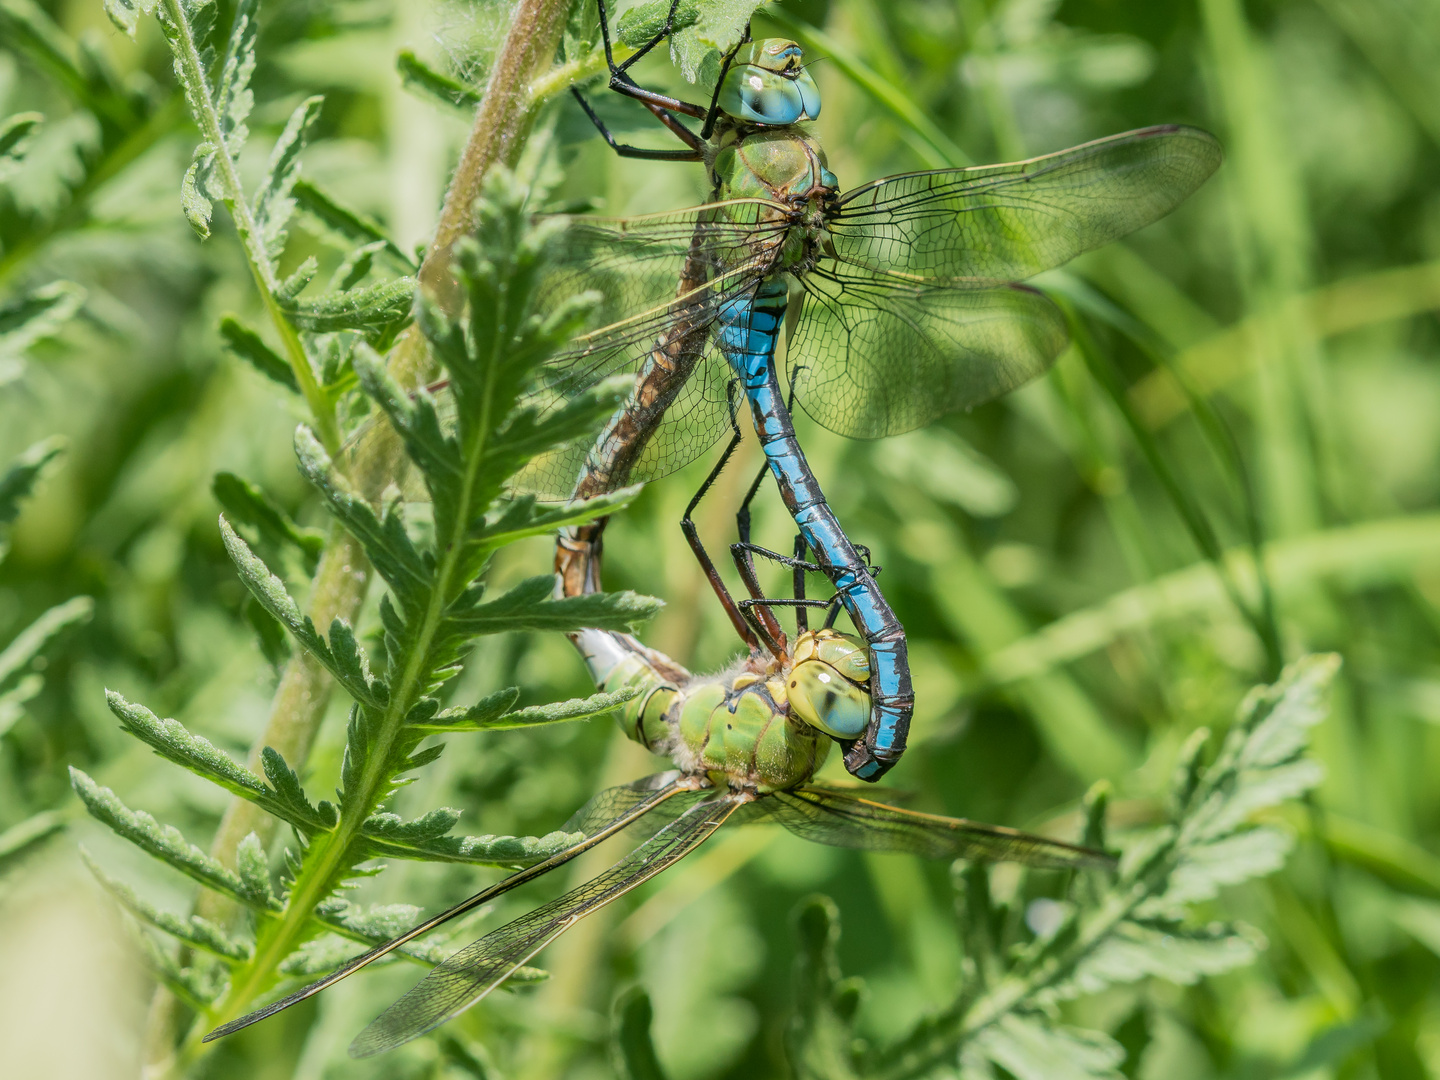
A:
x,y
826,684
767,85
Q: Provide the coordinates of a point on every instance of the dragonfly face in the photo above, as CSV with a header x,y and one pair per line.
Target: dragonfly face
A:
x,y
767,84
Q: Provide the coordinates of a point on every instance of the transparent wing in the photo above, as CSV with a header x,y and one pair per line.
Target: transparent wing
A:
x,y
1009,222
912,318
662,280
871,358
840,819
616,802
603,816
474,971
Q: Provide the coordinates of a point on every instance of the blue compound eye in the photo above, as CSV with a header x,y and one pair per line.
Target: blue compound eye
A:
x,y
757,95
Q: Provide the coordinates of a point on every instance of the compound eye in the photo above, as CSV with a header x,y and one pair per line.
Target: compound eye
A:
x,y
825,699
757,96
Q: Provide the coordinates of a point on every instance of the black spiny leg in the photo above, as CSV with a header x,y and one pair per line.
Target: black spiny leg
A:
x,y
753,633
627,151
661,106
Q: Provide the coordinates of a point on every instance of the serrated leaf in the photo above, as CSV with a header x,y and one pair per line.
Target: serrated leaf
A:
x,y
1205,868
287,790
350,668
416,420
1032,1049
194,200
253,870
125,14
640,24
192,930
233,97
250,347
294,285
560,712
243,501
273,202
36,315
30,641
482,713
516,519
376,307
171,740
385,541
356,266
194,986
351,227
419,77
1181,955
15,134
818,1037
20,476
531,606
697,49
164,842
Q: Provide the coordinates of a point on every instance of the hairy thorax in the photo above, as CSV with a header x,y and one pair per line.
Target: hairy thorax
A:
x,y
784,166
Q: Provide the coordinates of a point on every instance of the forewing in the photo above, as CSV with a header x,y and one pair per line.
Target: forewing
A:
x,y
841,819
606,814
475,970
661,280
613,803
1009,222
872,356
607,805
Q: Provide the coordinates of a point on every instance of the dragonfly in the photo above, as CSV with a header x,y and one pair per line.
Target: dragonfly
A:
x,y
898,299
745,745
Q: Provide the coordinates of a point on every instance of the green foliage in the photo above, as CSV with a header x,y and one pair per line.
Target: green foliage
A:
x,y
436,606
636,1051
1141,924
1052,556
423,79
19,679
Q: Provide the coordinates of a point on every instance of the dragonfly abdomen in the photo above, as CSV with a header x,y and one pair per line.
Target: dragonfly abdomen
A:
x,y
748,330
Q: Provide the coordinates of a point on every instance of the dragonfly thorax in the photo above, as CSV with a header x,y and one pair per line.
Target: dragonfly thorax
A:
x,y
756,728
783,166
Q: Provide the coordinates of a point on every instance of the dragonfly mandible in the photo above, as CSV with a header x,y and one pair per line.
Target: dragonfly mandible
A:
x,y
745,745
901,293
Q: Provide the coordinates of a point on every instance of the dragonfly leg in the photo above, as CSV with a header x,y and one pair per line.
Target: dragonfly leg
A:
x,y
748,634
712,115
758,601
625,150
621,82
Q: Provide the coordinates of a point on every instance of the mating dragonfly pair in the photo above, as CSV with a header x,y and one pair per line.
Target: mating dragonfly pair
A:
x,y
904,307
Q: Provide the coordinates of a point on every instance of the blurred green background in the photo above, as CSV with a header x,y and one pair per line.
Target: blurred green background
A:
x,y
1063,624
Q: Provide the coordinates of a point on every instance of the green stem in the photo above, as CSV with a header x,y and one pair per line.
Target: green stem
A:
x,y
261,268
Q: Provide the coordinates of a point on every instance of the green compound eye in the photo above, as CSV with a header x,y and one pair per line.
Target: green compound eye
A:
x,y
825,699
